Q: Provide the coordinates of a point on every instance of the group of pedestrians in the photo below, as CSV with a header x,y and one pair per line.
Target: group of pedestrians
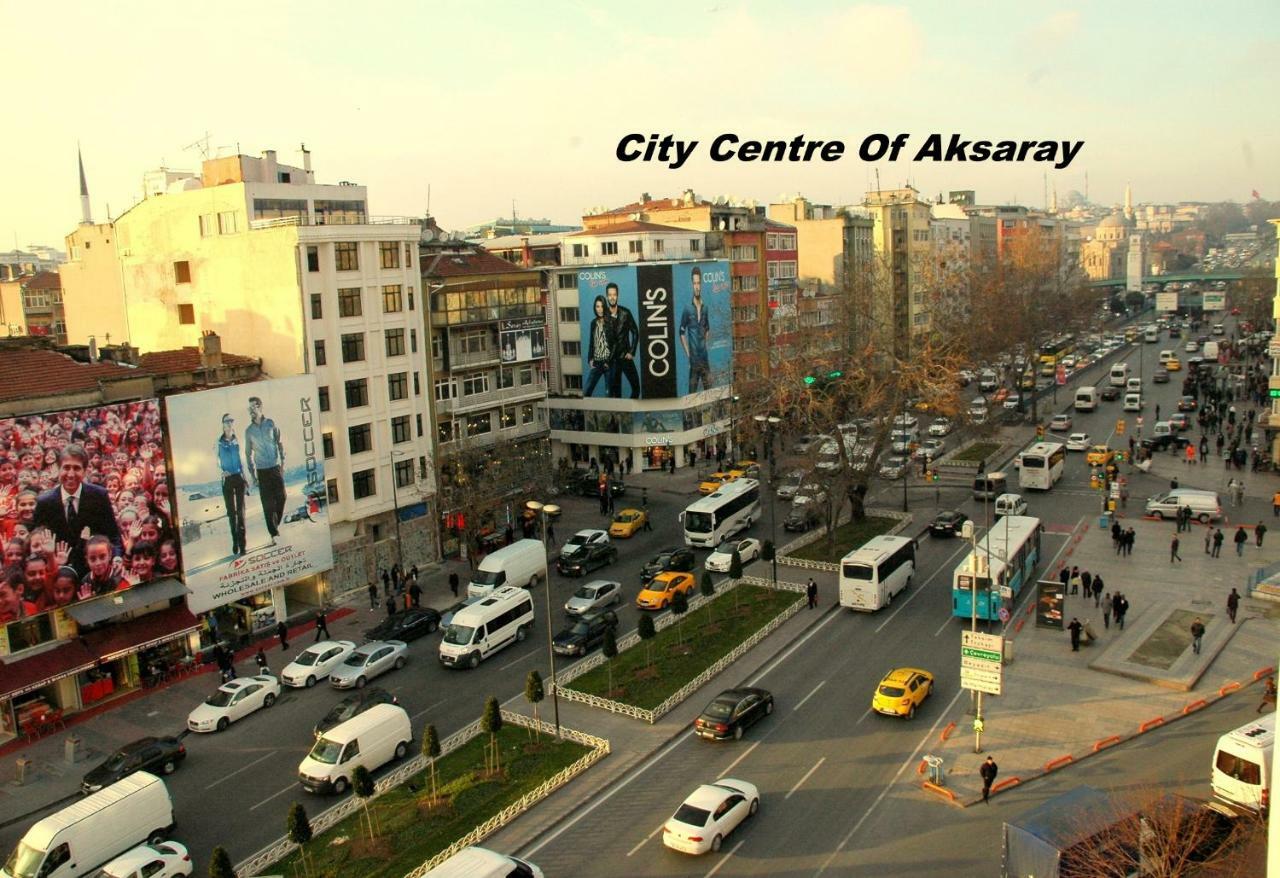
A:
x,y
400,589
1075,580
1122,539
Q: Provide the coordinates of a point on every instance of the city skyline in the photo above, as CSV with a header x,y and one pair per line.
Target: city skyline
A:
x,y
399,102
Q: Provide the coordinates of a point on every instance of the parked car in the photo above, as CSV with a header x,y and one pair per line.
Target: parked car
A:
x,y
680,559
719,560
947,523
901,691
594,596
802,517
316,662
584,634
582,562
940,427
628,523
732,712
156,755
791,483
711,812
582,539
234,701
368,661
587,484
658,592
164,859
408,625
353,705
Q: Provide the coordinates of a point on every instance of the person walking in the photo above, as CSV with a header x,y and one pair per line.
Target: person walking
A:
x,y
1121,608
415,593
551,534
1259,531
1129,538
453,583
1086,583
1106,610
322,626
1275,504
1075,580
1097,590
1173,551
1191,454
1197,633
989,770
1208,540
1065,575
386,582
1075,627
373,596
1240,539
1268,695
282,631
1218,539
813,593
1233,605
261,659
391,606
1116,532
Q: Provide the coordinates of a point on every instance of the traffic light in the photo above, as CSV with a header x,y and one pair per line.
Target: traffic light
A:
x,y
834,374
1040,431
809,380
931,475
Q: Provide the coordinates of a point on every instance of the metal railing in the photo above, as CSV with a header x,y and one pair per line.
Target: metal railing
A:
x,y
333,220
904,518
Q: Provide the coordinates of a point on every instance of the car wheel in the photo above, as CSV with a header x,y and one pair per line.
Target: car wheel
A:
x,y
340,785
911,712
311,681
157,837
432,626
533,581
360,681
402,750
269,699
399,662
768,708
1161,515
755,806
1204,518
521,633
737,733
715,843
169,766
474,661
223,723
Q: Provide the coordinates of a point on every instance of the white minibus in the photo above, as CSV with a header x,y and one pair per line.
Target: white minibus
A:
x,y
728,510
1086,399
1119,374
1242,764
481,629
1151,334
871,575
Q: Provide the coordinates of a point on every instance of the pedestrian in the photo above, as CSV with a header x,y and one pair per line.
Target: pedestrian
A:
x,y
1233,605
1106,610
1218,539
1197,632
1173,551
1173,484
322,626
1075,580
1268,694
1240,492
648,525
391,606
282,631
1275,504
1116,532
1191,454
261,659
453,583
1086,583
373,596
1240,539
1097,590
813,593
989,770
551,534
415,592
1259,531
1204,447
1075,627
413,572
386,582
1129,538
1208,540
509,535
1065,575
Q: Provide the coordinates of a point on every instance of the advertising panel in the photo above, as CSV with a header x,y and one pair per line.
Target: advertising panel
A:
x,y
1167,301
655,331
251,496
1214,300
522,339
84,506
1051,594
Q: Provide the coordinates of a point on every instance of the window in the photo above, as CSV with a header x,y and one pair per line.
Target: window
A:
x,y
389,254
475,341
182,272
400,429
313,258
357,393
609,248
746,283
410,291
743,253
327,439
444,431
360,438
418,419
635,247
580,251
404,473
332,486
346,256
571,348
392,299
349,302
227,222
395,342
408,259
352,347
321,359
398,385
186,314
573,382
475,383
506,378
658,246
445,389
567,281
324,398
478,424
569,315
317,306
437,346
695,244
280,208
206,225
526,413
417,385
363,484
507,417
413,340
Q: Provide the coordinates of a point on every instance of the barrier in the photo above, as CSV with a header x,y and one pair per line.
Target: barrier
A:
x,y
1005,784
946,733
1017,629
1151,724
942,791
921,767
1058,763
1194,706
1229,687
1106,742
1263,672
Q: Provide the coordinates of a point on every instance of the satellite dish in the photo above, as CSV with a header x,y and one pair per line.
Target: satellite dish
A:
x,y
428,234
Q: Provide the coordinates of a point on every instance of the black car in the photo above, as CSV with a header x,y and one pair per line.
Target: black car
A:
x,y
1161,376
731,712
681,559
355,703
801,518
408,625
586,559
588,485
1110,393
156,755
1162,443
585,634
1187,404
947,523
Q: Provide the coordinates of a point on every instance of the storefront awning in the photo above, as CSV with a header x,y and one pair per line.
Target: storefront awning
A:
x,y
24,675
147,631
121,602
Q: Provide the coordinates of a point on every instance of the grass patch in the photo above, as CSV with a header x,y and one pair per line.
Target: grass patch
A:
x,y
410,832
704,641
976,452
1168,642
848,537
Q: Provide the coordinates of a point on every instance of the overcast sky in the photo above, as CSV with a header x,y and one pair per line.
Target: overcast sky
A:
x,y
500,102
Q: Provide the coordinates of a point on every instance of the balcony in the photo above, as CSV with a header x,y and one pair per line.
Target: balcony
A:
x,y
508,434
501,396
467,359
334,220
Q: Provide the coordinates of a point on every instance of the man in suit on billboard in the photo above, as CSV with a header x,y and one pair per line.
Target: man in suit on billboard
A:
x,y
626,339
694,329
77,510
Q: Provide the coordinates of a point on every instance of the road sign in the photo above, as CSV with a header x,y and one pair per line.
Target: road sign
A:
x,y
1120,427
981,664
1004,614
1138,421
1061,376
1006,592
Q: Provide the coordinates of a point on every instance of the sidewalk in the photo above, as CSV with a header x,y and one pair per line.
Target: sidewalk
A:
x,y
1060,706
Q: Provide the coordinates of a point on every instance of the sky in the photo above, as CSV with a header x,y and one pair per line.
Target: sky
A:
x,y
508,104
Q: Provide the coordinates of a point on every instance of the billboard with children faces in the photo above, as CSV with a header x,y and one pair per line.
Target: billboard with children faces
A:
x,y
84,506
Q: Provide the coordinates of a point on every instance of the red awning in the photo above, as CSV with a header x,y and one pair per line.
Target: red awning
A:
x,y
19,676
125,638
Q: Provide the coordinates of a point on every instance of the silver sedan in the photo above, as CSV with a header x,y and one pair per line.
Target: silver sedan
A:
x,y
595,595
368,661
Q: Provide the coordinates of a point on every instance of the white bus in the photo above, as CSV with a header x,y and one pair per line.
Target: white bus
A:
x,y
872,575
1040,465
730,509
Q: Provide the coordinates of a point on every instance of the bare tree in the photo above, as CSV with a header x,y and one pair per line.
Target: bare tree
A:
x,y
1254,296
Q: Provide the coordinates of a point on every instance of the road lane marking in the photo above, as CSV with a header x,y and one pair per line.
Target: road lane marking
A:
x,y
240,769
743,755
733,850
945,625
517,661
812,692
807,775
911,760
785,655
289,789
866,714
902,606
645,840
428,707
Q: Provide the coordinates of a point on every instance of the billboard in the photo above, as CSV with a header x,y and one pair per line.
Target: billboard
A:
x,y
1051,594
522,339
84,506
1167,301
655,331
251,498
1214,300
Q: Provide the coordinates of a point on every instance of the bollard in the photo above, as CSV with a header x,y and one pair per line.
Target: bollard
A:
x,y
937,774
72,749
26,768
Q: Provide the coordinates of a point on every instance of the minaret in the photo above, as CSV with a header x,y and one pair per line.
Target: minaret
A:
x,y
1053,204
1128,202
86,216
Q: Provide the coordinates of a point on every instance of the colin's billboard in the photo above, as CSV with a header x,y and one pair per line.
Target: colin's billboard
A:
x,y
251,496
655,331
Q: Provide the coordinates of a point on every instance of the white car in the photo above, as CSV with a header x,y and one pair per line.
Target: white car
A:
x,y
582,539
940,427
232,701
719,560
1078,442
167,859
1192,346
368,661
791,484
1060,423
711,812
929,449
316,662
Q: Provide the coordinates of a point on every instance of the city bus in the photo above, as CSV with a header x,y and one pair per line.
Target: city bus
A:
x,y
725,512
871,575
1040,465
1051,353
1007,556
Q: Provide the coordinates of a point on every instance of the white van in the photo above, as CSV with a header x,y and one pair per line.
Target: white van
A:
x,y
1151,334
372,739
1219,329
1205,505
1133,401
1086,399
1010,504
1166,356
476,862
522,564
1209,351
1134,385
1242,764
485,627
91,832
1119,374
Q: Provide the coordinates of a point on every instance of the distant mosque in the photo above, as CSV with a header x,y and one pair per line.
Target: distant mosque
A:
x,y
1114,245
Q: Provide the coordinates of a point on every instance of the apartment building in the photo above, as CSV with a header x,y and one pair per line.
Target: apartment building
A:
x,y
903,245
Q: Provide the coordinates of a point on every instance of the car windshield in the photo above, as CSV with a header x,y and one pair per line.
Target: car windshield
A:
x,y
720,709
326,751
488,577
24,861
581,628
116,762
221,698
892,691
577,540
585,593
356,659
691,816
458,635
342,712
307,659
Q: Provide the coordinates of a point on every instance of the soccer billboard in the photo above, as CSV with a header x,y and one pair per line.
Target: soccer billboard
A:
x,y
251,498
655,331
84,506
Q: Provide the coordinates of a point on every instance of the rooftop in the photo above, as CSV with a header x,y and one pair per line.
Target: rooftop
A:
x,y
629,227
460,263
44,280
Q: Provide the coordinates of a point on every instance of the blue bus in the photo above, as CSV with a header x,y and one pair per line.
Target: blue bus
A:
x,y
1007,556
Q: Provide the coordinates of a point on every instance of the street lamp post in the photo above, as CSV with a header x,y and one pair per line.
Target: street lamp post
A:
x,y
543,510
768,423
395,499
972,534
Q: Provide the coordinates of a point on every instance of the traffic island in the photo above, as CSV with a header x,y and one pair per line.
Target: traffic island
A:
x,y
813,550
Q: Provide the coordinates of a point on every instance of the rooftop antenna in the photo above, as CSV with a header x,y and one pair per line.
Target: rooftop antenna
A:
x,y
201,143
428,199
513,210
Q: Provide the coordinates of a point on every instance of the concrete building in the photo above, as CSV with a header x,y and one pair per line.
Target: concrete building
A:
x,y
301,274
903,243
34,259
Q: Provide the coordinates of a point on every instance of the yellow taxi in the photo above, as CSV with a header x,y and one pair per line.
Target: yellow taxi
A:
x,y
713,482
662,588
1173,364
901,691
745,468
627,523
1099,455
1028,381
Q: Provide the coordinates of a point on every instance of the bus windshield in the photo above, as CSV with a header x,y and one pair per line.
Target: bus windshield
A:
x,y
699,522
1033,461
860,572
